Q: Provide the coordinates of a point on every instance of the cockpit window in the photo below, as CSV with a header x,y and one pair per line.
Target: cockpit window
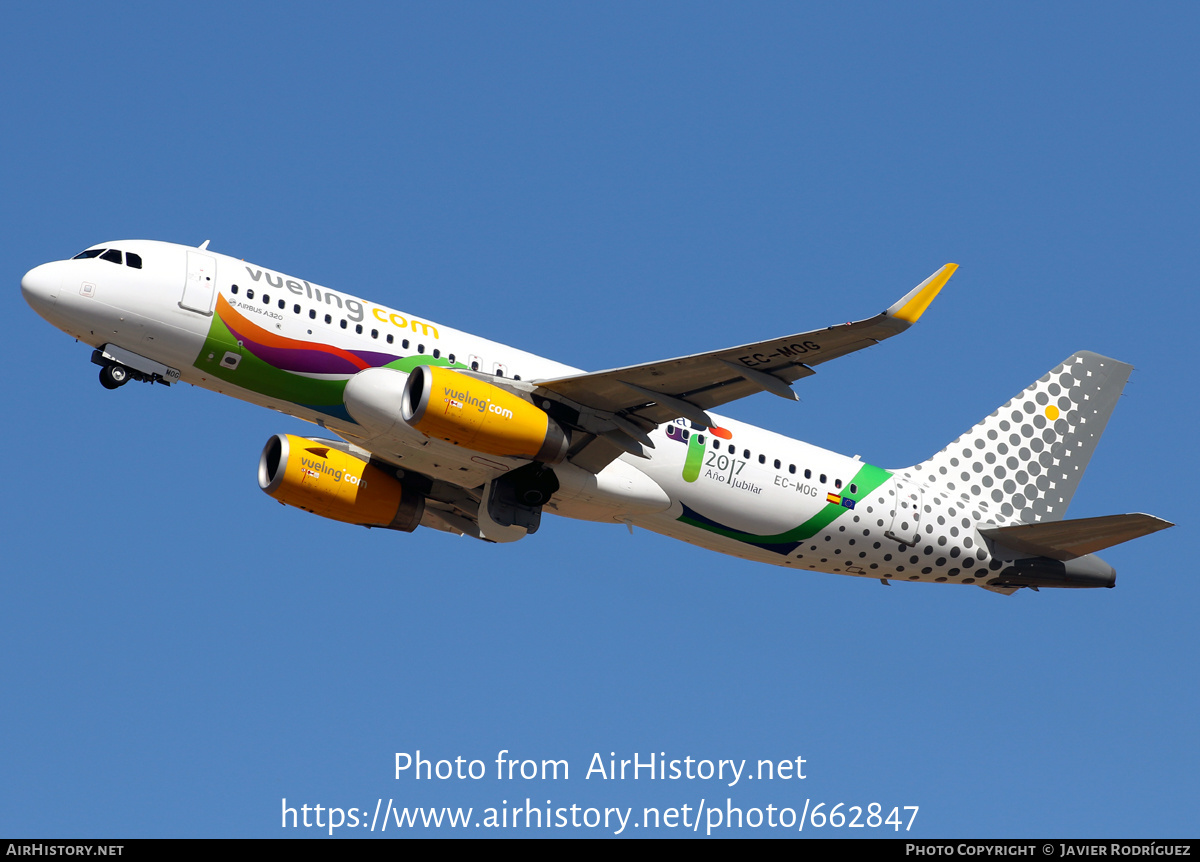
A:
x,y
113,255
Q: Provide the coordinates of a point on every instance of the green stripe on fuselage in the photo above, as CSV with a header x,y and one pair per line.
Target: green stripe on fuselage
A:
x,y
866,480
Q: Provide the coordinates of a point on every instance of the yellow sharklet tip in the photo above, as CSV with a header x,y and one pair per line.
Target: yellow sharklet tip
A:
x,y
914,303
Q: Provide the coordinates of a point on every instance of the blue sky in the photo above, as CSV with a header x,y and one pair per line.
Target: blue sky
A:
x,y
603,184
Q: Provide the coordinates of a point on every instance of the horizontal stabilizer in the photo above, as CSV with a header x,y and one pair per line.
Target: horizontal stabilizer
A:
x,y
1066,540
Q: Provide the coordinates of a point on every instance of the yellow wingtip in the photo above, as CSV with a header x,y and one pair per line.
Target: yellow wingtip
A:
x,y
914,303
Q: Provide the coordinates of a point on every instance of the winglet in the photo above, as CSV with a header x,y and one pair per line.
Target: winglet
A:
x,y
914,303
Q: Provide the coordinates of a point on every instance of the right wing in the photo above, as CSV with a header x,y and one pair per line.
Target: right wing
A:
x,y
616,408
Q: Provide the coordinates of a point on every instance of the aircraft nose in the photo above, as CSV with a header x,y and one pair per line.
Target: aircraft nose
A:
x,y
40,286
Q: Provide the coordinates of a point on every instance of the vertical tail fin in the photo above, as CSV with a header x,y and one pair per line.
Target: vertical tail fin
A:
x,y
1026,459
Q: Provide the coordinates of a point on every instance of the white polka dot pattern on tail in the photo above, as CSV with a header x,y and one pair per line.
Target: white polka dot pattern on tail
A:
x,y
1025,460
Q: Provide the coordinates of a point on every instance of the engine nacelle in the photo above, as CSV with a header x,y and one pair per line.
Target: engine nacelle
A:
x,y
462,410
318,478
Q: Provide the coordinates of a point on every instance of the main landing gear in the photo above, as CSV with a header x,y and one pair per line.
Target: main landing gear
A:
x,y
517,497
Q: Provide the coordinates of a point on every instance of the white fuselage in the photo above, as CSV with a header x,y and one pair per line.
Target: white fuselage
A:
x,y
221,322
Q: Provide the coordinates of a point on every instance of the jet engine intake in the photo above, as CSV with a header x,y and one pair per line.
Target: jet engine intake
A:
x,y
465,411
318,478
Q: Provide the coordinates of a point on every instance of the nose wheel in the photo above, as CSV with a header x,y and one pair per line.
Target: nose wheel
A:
x,y
113,376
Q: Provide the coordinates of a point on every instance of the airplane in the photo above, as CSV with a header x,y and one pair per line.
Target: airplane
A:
x,y
443,429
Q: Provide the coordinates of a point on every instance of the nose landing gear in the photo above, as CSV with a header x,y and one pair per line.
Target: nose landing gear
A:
x,y
118,366
113,376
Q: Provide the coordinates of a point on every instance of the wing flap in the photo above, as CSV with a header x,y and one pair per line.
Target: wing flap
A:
x,y
596,454
1066,540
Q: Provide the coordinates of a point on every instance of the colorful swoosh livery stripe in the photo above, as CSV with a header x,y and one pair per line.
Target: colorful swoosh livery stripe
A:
x,y
291,354
280,367
866,480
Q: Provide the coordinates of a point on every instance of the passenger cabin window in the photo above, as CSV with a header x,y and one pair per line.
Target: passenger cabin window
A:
x,y
233,288
329,318
282,304
250,293
134,260
777,464
112,256
390,339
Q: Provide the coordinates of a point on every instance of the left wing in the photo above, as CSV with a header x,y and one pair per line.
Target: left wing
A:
x,y
616,408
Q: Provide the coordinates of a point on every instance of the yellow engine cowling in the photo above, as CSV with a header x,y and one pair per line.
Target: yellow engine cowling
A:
x,y
462,410
318,478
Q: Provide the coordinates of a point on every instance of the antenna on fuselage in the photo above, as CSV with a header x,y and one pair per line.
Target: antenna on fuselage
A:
x,y
204,245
